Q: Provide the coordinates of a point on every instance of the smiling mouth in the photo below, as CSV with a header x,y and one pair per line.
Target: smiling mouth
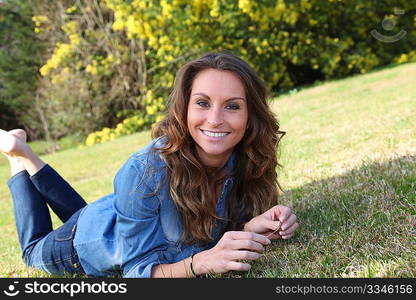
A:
x,y
214,134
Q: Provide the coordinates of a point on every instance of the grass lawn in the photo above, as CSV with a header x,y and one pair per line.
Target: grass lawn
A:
x,y
349,173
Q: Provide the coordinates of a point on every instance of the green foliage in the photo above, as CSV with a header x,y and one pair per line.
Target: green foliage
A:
x,y
20,60
124,49
288,42
140,121
81,88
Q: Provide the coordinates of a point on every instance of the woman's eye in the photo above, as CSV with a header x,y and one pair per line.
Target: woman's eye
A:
x,y
205,104
202,103
234,106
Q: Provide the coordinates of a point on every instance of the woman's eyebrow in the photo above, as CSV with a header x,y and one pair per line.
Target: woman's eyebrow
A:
x,y
229,99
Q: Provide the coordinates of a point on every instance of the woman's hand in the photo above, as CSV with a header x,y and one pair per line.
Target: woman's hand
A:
x,y
277,222
226,254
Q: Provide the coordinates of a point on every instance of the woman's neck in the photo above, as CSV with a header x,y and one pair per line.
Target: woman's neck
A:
x,y
213,161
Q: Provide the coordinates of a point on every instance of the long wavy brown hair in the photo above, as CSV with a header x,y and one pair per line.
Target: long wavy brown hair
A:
x,y
255,187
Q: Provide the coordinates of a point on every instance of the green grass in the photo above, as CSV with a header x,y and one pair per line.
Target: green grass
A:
x,y
349,174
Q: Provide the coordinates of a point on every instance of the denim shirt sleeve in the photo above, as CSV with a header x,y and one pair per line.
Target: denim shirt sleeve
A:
x,y
138,229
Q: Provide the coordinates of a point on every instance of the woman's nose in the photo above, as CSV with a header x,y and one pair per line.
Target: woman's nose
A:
x,y
214,117
214,123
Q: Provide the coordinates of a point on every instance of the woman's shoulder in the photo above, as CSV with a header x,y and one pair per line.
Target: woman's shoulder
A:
x,y
145,164
150,155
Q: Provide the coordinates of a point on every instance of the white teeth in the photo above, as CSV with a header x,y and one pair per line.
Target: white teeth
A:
x,y
216,134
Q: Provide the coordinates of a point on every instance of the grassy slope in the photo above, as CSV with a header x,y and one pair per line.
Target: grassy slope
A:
x,y
349,172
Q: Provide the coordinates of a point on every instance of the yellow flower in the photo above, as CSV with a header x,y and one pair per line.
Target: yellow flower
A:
x,y
151,110
71,9
159,118
41,19
90,139
245,6
91,69
118,25
214,13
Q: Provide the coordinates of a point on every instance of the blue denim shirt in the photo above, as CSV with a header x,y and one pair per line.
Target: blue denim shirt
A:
x,y
130,230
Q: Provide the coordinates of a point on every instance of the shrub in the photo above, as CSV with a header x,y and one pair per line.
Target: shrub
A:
x,y
125,50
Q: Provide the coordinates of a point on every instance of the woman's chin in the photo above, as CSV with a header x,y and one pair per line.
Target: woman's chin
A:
x,y
214,153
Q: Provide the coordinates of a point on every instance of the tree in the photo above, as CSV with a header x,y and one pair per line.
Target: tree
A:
x,y
20,59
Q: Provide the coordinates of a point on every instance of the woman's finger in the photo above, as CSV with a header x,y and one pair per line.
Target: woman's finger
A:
x,y
289,222
247,244
285,237
272,225
282,213
244,255
274,236
290,230
247,235
238,266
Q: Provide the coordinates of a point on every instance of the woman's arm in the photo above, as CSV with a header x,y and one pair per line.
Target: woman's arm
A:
x,y
223,257
180,269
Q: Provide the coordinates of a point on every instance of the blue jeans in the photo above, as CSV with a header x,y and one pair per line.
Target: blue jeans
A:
x,y
44,248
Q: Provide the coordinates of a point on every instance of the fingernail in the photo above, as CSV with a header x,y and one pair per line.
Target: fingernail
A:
x,y
268,241
284,227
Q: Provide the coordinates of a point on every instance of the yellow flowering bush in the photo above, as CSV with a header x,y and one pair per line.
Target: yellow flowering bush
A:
x,y
85,49
289,43
126,127
406,57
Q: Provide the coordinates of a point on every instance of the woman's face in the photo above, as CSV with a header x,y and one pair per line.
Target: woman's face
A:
x,y
217,115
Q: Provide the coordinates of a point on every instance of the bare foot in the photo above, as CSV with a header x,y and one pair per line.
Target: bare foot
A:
x,y
21,157
13,145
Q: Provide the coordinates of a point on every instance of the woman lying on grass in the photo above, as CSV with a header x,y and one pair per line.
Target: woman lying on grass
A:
x,y
199,199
